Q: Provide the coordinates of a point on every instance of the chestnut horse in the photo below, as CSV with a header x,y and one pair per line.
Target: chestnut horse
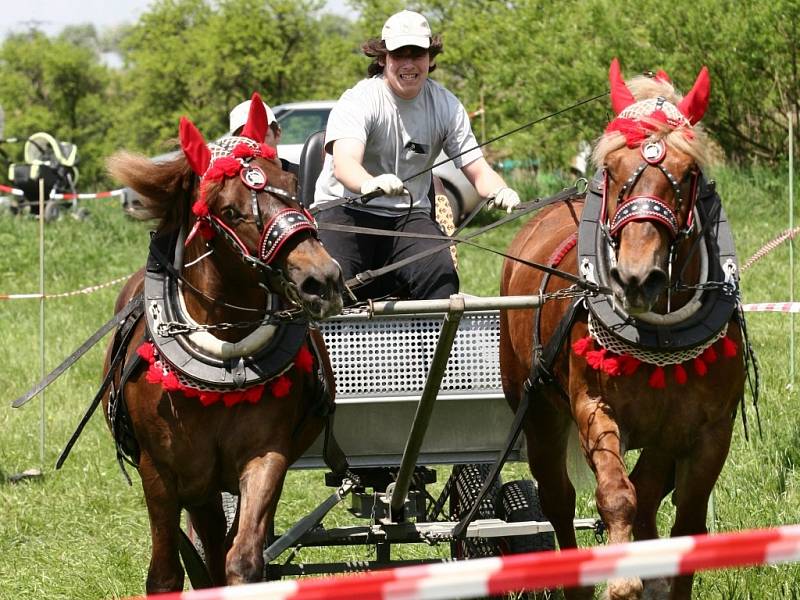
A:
x,y
225,395
679,409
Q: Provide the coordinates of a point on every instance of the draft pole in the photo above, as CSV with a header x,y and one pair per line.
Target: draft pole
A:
x,y
41,320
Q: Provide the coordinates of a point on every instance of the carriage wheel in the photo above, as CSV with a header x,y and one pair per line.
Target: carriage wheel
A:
x,y
520,502
467,481
229,505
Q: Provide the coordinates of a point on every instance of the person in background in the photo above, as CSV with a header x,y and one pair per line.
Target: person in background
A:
x,y
238,118
384,135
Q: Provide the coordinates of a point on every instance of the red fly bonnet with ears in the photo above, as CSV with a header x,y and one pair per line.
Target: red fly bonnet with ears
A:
x,y
637,120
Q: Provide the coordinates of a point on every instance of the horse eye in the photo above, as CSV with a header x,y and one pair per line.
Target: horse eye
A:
x,y
229,213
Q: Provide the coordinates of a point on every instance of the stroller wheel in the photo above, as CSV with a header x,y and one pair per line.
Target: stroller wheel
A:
x,y
80,214
51,212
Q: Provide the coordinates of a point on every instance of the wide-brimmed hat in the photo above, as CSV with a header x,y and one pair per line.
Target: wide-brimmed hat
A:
x,y
406,28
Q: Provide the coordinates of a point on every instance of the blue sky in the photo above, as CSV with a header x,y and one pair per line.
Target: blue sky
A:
x,y
51,16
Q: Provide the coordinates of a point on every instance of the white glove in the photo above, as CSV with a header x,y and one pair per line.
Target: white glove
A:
x,y
389,184
504,198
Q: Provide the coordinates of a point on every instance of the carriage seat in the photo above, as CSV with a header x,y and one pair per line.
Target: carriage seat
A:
x,y
312,157
48,159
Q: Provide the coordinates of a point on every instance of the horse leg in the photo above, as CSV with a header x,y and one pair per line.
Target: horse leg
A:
x,y
547,434
695,476
259,489
615,494
165,573
654,478
208,520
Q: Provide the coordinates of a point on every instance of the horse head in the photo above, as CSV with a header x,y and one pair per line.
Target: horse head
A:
x,y
650,155
246,229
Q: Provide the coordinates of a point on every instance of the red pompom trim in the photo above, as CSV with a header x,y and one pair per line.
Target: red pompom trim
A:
x,y
281,386
268,151
657,378
709,355
680,375
700,366
582,346
595,358
630,364
304,360
729,347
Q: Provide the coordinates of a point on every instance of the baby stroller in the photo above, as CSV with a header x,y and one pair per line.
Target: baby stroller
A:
x,y
54,162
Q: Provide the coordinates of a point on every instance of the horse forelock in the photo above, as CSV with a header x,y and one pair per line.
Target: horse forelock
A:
x,y
685,138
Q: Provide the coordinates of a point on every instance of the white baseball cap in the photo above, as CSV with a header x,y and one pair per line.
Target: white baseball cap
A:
x,y
406,28
240,112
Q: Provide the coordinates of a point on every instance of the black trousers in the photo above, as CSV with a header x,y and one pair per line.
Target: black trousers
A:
x,y
433,276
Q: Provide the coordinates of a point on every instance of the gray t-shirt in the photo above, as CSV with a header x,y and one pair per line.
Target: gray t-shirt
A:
x,y
400,136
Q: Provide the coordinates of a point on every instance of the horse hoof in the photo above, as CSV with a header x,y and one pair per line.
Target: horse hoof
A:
x,y
624,589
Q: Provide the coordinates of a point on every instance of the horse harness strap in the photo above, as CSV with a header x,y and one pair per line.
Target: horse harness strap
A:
x,y
119,348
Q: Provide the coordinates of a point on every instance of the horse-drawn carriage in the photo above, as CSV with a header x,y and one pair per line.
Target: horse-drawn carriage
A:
x,y
202,410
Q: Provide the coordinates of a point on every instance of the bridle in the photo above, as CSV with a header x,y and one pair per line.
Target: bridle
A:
x,y
648,207
273,234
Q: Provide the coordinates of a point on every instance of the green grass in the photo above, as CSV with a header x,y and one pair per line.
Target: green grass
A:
x,y
81,532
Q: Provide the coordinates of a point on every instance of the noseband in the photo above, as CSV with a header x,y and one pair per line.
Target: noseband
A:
x,y
646,207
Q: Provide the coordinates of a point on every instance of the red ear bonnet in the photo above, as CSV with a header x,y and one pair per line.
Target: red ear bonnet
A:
x,y
194,147
694,104
256,126
621,96
662,76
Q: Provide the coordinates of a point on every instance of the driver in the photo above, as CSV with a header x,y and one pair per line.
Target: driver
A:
x,y
387,129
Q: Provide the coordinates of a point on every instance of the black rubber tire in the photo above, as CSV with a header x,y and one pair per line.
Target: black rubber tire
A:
x,y
229,505
467,481
520,502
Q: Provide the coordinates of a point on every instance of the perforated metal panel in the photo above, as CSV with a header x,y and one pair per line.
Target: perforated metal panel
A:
x,y
391,355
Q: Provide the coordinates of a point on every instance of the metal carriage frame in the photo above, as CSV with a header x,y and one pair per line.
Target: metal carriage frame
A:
x,y
418,384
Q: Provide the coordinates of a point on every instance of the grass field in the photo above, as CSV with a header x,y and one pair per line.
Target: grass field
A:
x,y
82,533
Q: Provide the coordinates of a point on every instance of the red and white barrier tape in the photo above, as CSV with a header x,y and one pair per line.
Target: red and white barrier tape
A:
x,y
782,307
534,571
86,290
87,196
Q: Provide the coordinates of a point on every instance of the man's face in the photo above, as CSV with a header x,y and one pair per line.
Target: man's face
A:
x,y
273,137
406,70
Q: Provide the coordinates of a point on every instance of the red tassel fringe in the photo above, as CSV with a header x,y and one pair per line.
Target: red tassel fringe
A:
x,y
279,387
613,364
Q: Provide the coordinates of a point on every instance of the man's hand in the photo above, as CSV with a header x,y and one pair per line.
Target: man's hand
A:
x,y
504,198
389,184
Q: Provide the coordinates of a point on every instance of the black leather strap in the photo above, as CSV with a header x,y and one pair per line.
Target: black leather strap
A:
x,y
121,341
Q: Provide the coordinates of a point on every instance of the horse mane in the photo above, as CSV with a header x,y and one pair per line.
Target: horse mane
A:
x,y
692,141
166,187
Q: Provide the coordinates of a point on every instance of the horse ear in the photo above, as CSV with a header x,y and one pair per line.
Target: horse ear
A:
x,y
662,76
194,147
256,126
694,104
621,96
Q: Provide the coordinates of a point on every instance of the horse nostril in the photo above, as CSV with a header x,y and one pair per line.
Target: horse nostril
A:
x,y
616,277
655,282
312,286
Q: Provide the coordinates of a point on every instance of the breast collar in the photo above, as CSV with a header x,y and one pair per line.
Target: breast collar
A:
x,y
198,358
709,311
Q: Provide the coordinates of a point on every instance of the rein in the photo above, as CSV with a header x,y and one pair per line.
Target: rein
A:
x,y
366,276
